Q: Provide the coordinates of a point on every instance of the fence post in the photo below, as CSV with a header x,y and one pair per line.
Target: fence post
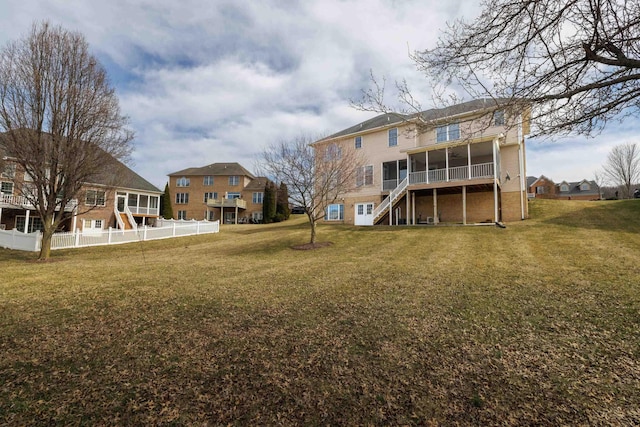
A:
x,y
197,227
109,238
76,238
38,242
144,235
174,229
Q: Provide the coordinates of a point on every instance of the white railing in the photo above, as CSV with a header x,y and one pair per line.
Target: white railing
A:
x,y
458,173
130,217
9,200
119,220
382,207
143,210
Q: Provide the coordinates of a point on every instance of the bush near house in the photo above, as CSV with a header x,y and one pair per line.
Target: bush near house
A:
x,y
535,324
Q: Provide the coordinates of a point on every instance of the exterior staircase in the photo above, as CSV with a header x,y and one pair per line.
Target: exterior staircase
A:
x,y
390,200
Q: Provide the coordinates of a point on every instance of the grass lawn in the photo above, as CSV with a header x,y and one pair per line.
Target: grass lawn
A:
x,y
538,323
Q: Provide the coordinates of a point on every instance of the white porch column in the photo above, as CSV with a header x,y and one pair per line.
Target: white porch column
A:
x,y
222,214
26,222
495,183
426,159
436,220
469,158
390,210
446,160
464,205
0,215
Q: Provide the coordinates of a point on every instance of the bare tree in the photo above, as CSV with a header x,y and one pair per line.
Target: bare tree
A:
x,y
576,62
316,176
623,166
61,118
599,179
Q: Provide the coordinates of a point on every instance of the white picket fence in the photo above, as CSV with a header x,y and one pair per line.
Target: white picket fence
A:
x,y
76,239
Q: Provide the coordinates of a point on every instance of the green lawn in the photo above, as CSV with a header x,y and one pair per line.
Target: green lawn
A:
x,y
538,323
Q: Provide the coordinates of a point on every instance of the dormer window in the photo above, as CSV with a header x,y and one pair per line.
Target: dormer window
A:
x,y
450,132
182,182
564,187
585,187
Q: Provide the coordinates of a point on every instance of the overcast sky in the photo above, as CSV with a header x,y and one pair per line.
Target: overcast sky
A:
x,y
216,81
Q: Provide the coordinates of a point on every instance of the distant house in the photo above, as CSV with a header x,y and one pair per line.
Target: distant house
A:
x,y
545,188
120,199
225,191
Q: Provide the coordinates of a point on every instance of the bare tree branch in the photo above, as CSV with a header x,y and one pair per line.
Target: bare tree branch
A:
x,y
61,119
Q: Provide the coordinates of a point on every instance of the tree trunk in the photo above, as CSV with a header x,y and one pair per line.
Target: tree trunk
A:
x,y
45,245
313,229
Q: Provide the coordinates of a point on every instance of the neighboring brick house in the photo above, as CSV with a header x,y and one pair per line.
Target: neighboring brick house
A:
x,y
224,191
121,199
542,187
467,166
545,188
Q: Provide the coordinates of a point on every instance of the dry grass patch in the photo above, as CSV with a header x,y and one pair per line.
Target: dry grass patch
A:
x,y
538,323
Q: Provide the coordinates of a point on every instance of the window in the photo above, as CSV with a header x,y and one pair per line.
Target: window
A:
x,y
182,214
332,152
449,132
35,224
257,197
182,198
335,213
358,142
498,118
564,187
208,180
393,137
92,225
541,190
183,182
9,171
210,196
95,198
584,187
211,215
6,188
256,216
234,180
28,177
364,176
233,195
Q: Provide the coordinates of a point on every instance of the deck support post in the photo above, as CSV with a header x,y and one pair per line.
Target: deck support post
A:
x,y
413,208
464,205
436,220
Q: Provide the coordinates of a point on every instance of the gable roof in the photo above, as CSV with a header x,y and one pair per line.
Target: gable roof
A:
x,y
389,119
225,169
574,187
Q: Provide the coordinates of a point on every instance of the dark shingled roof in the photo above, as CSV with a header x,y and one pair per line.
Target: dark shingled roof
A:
x,y
427,115
531,180
574,188
215,169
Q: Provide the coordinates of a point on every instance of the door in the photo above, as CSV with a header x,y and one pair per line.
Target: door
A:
x,y
121,202
229,217
364,214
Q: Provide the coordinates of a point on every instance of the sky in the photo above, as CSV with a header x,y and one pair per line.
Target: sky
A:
x,y
218,81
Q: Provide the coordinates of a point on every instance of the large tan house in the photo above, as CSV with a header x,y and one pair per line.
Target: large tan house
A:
x,y
121,199
219,191
461,164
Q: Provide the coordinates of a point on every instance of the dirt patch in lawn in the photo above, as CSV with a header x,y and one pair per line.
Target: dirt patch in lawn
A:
x,y
310,246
